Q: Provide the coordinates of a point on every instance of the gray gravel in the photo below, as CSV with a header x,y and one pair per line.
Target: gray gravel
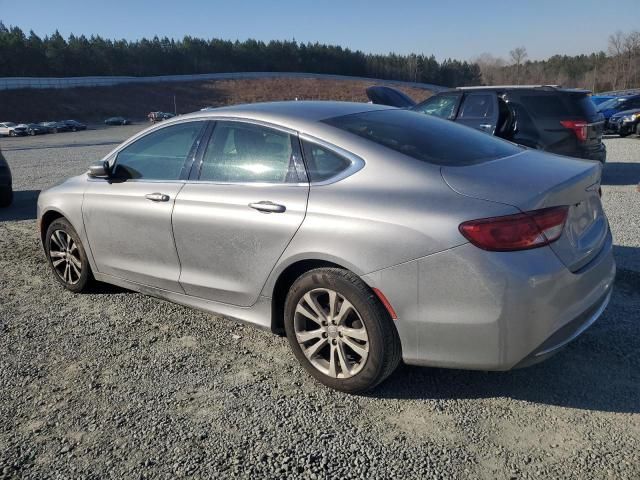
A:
x,y
115,384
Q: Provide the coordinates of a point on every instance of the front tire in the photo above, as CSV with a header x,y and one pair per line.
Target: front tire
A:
x,y
339,331
67,257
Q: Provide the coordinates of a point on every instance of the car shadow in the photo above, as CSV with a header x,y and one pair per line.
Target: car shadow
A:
x,y
598,371
23,206
621,173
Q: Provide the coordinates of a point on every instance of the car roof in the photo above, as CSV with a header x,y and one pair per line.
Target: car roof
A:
x,y
292,114
546,88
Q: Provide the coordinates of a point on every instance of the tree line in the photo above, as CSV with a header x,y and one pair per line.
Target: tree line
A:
x,y
23,55
616,69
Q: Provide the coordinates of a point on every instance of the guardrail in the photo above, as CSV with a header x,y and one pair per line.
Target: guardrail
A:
x,y
15,83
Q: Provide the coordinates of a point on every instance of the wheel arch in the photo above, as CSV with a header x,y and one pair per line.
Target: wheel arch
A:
x,y
47,219
283,283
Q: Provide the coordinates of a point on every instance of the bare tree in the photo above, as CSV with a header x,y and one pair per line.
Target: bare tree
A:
x,y
616,47
631,48
492,68
518,55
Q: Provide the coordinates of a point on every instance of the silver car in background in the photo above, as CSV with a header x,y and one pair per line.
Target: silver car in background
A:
x,y
367,234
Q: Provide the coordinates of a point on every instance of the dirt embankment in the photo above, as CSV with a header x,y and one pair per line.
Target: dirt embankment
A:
x,y
136,100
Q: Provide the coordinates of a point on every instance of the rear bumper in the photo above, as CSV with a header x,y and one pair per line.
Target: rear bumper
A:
x,y
598,153
467,308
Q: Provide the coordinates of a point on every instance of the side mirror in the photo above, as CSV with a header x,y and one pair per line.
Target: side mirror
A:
x,y
100,170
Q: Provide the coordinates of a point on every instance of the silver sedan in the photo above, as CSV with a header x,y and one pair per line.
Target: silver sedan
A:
x,y
367,234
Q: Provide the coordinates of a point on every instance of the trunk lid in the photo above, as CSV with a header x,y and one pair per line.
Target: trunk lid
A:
x,y
392,97
533,180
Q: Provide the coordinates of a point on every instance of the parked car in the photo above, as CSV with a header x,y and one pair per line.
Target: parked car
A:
x,y
598,99
557,120
74,125
10,129
6,190
616,105
34,129
55,127
625,123
155,117
375,235
117,121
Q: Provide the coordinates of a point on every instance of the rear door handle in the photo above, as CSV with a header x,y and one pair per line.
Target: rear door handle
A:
x,y
268,207
485,125
157,197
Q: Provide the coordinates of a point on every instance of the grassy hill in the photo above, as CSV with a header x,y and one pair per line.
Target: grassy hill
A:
x,y
136,100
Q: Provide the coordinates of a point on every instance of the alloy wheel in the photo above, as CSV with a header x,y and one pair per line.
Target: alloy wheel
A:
x,y
331,333
65,258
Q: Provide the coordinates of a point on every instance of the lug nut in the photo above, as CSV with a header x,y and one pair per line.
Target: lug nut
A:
x,y
334,341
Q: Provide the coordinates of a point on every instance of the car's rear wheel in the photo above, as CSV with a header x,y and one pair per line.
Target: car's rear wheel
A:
x,y
12,133
339,331
67,256
638,129
6,196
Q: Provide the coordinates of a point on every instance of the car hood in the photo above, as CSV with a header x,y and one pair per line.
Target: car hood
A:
x,y
626,112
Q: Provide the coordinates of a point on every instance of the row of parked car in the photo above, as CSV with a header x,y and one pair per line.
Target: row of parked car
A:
x,y
17,130
621,112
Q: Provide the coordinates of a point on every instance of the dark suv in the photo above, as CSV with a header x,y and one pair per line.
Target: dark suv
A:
x,y
558,120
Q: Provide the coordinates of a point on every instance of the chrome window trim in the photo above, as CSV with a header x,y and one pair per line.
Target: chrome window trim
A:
x,y
357,163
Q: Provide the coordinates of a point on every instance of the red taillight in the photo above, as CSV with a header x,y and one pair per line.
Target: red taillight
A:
x,y
579,127
516,232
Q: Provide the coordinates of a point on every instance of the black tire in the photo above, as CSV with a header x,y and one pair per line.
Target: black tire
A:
x,y
624,134
638,129
85,278
74,129
384,349
12,133
6,196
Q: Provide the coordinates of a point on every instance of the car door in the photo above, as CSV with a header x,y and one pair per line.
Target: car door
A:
x,y
233,221
128,216
479,110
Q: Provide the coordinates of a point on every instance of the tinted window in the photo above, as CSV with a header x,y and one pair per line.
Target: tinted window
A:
x,y
477,106
322,163
425,138
544,105
443,106
159,155
242,152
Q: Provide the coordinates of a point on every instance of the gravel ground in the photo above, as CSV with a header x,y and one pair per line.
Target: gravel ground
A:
x,y
115,384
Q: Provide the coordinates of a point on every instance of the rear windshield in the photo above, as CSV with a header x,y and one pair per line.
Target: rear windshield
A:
x,y
425,137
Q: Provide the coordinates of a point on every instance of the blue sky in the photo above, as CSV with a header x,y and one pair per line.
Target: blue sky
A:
x,y
459,29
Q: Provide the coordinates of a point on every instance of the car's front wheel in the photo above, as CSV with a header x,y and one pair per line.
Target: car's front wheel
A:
x,y
339,330
67,256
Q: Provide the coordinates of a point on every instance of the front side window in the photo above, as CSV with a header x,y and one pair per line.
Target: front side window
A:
x,y
477,106
443,106
322,163
240,152
159,155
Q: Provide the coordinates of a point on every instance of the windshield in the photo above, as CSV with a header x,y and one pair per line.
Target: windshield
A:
x,y
10,124
443,106
425,138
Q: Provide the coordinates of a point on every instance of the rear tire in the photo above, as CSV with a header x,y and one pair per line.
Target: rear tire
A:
x,y
67,257
638,129
12,133
351,347
6,196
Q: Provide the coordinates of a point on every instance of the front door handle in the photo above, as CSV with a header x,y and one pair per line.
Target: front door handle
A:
x,y
485,125
157,197
268,207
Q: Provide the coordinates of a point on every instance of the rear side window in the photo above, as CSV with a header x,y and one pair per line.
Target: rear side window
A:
x,y
559,106
322,163
160,155
425,138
